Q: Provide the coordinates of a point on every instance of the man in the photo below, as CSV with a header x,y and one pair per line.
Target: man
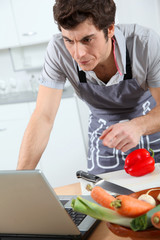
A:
x,y
114,69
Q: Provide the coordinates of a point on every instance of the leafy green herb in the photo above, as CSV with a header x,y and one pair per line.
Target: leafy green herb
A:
x,y
144,221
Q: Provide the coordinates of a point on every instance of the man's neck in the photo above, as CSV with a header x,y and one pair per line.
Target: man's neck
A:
x,y
107,69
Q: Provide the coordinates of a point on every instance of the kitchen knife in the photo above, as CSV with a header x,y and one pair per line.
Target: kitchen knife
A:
x,y
109,186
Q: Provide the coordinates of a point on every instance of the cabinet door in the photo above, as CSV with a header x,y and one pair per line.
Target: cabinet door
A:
x,y
7,26
11,133
13,121
65,153
34,20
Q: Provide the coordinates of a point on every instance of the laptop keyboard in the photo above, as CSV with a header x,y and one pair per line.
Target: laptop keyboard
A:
x,y
76,217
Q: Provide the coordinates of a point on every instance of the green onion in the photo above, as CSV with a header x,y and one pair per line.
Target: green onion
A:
x,y
98,212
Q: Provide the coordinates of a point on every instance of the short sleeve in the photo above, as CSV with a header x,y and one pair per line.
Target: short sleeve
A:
x,y
153,73
52,75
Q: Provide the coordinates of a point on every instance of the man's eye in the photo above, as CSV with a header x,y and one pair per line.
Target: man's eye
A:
x,y
87,40
68,40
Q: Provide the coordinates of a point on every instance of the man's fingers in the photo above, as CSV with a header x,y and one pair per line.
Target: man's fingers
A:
x,y
121,141
126,147
104,133
122,136
116,142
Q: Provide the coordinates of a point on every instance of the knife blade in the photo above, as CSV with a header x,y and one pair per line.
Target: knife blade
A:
x,y
98,181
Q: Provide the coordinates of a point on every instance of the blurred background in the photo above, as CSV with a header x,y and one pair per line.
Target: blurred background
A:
x,y
26,26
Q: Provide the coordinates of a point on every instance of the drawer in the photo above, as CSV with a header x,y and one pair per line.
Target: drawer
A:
x,y
14,111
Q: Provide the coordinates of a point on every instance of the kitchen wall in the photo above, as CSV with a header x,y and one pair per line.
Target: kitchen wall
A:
x,y
144,12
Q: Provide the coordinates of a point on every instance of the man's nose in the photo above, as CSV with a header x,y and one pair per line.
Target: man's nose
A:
x,y
79,51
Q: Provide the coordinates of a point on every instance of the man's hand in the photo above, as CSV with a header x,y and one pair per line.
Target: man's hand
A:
x,y
126,135
122,136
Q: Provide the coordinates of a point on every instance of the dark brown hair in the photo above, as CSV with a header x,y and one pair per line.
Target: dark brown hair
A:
x,y
69,13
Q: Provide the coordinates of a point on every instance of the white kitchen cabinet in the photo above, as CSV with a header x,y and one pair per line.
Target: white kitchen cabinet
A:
x,y
65,153
26,22
34,20
8,32
13,121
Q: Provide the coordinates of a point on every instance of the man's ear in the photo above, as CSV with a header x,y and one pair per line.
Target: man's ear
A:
x,y
111,31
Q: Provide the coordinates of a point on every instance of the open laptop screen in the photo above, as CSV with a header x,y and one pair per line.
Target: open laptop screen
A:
x,y
30,207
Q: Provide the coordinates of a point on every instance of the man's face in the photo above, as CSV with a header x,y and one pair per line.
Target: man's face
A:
x,y
88,45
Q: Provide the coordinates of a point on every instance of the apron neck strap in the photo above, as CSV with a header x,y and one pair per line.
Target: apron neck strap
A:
x,y
81,75
128,74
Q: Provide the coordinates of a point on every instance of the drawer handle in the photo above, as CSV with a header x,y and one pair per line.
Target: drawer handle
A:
x,y
3,129
28,34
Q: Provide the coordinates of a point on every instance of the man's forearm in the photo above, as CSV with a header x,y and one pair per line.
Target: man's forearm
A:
x,y
34,142
149,123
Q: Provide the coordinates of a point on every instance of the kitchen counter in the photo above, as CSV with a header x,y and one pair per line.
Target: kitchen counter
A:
x,y
29,96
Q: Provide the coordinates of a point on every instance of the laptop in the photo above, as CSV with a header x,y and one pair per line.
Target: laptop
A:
x,y
29,208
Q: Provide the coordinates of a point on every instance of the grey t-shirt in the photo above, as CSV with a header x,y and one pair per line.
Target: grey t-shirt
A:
x,y
144,49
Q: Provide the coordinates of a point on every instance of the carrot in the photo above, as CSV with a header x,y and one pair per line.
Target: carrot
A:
x,y
155,219
102,197
130,207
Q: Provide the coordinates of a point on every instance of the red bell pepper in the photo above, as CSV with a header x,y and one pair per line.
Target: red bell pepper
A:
x,y
139,162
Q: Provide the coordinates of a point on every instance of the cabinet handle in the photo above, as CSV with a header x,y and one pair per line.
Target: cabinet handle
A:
x,y
28,34
3,129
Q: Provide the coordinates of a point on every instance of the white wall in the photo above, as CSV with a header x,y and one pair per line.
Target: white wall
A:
x,y
143,12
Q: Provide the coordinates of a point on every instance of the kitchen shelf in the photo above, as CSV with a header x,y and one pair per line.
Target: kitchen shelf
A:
x,y
28,57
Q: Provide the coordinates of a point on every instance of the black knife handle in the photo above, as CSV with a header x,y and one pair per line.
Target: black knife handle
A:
x,y
87,176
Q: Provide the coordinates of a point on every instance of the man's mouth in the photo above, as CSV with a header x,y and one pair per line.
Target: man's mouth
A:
x,y
84,62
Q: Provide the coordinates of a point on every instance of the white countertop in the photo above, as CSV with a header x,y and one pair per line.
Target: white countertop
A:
x,y
28,96
134,183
